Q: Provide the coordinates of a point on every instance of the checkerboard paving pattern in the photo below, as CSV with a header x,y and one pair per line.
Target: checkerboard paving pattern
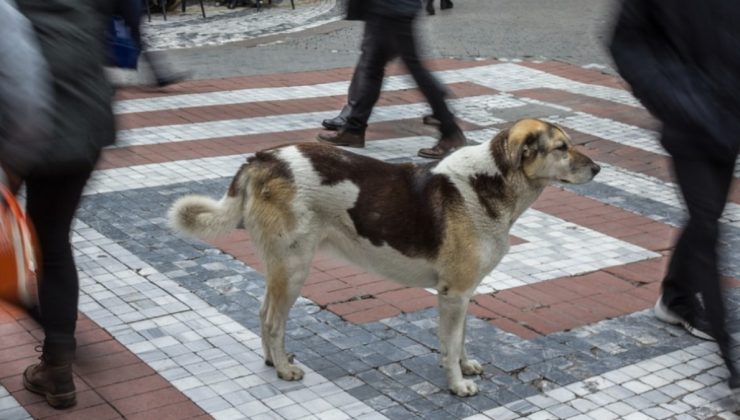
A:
x,y
169,326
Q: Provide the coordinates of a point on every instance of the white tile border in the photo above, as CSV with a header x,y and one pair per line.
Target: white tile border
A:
x,y
10,408
620,393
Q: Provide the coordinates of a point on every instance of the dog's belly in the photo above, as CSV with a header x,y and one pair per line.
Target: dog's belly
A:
x,y
383,260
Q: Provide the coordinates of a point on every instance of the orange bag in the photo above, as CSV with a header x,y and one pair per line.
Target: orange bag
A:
x,y
18,253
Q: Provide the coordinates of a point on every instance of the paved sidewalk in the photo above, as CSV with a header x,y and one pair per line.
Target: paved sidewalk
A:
x,y
223,25
170,327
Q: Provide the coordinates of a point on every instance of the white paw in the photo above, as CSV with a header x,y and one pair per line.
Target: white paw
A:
x,y
464,388
471,367
291,373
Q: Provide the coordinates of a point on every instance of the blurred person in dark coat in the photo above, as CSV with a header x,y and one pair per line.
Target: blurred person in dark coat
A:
x,y
682,60
71,39
130,11
443,4
390,32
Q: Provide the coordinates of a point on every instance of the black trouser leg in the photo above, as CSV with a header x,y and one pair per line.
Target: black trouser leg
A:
x,y
51,205
353,92
704,183
405,42
376,55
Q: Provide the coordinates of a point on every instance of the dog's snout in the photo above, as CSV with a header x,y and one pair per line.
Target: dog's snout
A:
x,y
595,169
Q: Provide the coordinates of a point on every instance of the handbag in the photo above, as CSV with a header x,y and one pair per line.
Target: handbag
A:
x,y
18,254
123,50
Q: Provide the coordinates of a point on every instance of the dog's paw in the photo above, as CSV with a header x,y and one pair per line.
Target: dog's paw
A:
x,y
291,373
464,388
471,367
291,358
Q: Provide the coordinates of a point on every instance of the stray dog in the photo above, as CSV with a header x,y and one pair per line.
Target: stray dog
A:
x,y
442,225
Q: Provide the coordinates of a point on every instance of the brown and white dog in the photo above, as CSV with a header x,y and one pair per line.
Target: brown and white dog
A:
x,y
442,225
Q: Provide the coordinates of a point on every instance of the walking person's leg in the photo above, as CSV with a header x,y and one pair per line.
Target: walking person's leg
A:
x,y
378,53
51,205
404,37
694,267
338,122
130,11
430,7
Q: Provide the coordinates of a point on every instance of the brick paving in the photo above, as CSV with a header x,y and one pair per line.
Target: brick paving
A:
x,y
169,326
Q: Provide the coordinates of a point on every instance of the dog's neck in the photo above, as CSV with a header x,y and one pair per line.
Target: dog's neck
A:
x,y
502,190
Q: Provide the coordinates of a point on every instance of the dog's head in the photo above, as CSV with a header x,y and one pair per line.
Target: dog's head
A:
x,y
543,151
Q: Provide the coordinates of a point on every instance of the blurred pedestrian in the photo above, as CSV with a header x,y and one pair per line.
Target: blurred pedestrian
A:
x,y
443,4
71,39
389,32
682,60
131,12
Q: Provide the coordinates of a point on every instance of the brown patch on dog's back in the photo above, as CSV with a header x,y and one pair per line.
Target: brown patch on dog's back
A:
x,y
402,205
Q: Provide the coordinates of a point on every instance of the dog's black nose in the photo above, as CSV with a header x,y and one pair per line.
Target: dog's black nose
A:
x,y
595,169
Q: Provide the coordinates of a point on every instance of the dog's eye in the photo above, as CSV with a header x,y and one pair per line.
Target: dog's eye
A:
x,y
563,147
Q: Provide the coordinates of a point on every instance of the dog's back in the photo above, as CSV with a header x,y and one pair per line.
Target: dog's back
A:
x,y
311,195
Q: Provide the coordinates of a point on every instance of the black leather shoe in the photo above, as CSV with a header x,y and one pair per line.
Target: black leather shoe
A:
x,y
334,124
445,4
170,79
343,138
430,7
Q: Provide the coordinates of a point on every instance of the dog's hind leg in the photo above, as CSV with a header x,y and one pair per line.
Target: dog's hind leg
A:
x,y
452,311
287,269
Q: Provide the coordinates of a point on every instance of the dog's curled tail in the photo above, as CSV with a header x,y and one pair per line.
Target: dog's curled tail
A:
x,y
204,217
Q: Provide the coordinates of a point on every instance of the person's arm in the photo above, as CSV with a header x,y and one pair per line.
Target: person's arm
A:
x,y
25,93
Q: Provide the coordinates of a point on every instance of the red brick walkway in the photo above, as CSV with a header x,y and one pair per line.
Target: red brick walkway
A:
x,y
112,382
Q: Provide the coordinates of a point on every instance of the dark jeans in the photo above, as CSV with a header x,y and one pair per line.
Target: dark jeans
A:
x,y
51,202
384,39
354,86
705,183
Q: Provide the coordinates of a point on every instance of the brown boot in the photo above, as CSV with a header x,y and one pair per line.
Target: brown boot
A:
x,y
343,138
445,146
52,377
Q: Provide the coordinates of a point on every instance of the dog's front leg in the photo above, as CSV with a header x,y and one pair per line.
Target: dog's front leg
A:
x,y
468,366
452,311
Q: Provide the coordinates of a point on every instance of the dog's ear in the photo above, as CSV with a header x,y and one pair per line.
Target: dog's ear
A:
x,y
522,145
